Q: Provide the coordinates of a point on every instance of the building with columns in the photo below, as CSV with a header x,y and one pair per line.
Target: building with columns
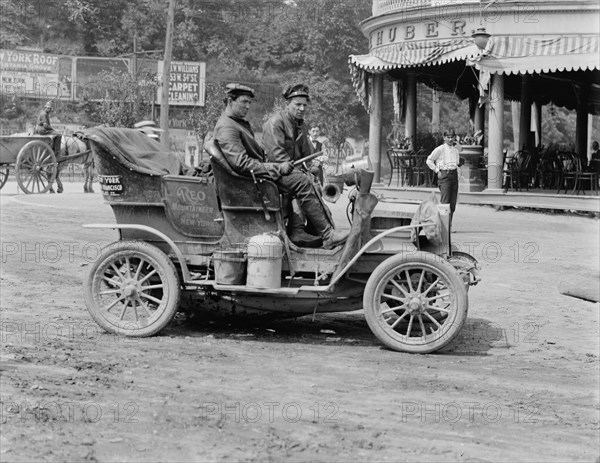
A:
x,y
537,52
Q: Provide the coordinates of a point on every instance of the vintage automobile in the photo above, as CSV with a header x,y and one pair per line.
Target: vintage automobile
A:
x,y
221,236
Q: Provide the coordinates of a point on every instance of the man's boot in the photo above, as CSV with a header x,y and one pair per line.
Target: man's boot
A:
x,y
316,215
333,238
296,231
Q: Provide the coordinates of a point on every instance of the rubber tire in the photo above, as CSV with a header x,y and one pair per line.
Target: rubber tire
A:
x,y
166,271
4,173
24,153
377,283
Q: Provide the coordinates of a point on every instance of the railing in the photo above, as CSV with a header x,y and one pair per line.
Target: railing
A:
x,y
381,7
389,6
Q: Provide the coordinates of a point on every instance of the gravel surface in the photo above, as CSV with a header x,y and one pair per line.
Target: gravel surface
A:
x,y
519,384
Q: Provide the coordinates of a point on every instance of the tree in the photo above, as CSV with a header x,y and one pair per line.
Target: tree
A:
x,y
14,27
262,43
204,118
127,99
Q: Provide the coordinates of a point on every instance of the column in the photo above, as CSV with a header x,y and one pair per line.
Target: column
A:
x,y
590,130
479,125
436,98
515,113
375,124
479,120
536,112
581,124
525,117
496,133
472,155
411,108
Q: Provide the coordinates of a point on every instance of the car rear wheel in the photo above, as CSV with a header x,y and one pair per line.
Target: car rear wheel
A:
x,y
132,289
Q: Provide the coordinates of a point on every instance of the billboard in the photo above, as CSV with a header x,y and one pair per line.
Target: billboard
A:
x,y
186,82
35,74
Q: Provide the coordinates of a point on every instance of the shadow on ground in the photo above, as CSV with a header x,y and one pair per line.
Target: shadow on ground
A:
x,y
475,339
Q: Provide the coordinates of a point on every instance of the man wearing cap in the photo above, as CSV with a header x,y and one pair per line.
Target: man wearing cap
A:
x,y
236,138
149,128
43,127
285,139
444,161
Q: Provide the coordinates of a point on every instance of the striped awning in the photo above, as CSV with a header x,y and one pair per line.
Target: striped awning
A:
x,y
537,55
413,54
503,55
406,55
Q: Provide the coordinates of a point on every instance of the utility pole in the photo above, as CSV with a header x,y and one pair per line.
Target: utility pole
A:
x,y
134,60
164,100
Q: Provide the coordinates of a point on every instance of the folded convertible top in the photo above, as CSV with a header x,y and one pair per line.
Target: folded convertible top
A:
x,y
136,150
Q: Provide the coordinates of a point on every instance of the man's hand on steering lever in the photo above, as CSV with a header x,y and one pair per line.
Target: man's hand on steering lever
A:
x,y
286,168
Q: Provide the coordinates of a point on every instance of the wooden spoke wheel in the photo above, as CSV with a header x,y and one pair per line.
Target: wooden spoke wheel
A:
x,y
132,289
4,171
415,302
36,167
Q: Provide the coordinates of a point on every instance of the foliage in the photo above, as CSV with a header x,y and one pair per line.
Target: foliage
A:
x,y
428,141
127,99
10,107
13,23
471,138
204,118
263,43
558,125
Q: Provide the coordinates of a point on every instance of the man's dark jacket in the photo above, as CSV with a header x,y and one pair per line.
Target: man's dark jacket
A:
x,y
285,138
42,126
236,139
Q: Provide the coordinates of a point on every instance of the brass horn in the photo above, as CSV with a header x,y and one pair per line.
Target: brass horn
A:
x,y
333,189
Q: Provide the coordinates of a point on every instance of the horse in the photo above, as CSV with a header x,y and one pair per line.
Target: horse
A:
x,y
71,146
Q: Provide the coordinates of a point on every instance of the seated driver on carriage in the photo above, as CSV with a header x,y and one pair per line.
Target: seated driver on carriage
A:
x,y
244,154
42,126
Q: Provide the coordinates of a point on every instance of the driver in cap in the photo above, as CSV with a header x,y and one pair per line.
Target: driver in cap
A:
x,y
285,139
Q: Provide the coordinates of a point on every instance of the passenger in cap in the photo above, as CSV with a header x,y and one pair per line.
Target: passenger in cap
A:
x,y
235,137
285,139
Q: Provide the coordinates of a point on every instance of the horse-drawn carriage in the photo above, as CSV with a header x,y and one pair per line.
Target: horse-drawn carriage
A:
x,y
222,237
38,159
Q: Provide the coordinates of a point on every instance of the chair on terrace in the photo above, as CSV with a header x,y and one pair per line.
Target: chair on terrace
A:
x,y
568,174
580,178
401,164
421,173
517,171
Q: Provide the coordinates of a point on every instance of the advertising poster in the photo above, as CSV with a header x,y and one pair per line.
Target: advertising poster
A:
x,y
186,83
35,75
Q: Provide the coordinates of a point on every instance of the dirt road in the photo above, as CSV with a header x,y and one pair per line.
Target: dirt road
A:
x,y
520,383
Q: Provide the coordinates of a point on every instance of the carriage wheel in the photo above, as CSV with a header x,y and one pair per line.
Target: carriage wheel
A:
x,y
132,289
415,303
4,171
36,167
